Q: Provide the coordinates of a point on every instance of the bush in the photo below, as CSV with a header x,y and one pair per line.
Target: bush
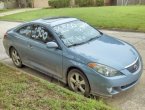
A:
x,y
99,2
85,3
81,3
59,3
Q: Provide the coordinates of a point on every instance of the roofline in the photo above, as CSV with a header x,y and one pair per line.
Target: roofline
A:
x,y
57,18
52,17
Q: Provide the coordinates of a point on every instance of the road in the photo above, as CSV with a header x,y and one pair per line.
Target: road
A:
x,y
132,99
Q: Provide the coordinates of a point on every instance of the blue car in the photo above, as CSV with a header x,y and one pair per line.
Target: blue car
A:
x,y
75,53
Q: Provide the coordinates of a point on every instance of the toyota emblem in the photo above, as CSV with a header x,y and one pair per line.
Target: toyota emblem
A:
x,y
135,67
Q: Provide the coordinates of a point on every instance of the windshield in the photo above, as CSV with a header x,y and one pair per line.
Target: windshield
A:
x,y
76,32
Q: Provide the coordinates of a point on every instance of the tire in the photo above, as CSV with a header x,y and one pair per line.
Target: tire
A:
x,y
78,82
16,58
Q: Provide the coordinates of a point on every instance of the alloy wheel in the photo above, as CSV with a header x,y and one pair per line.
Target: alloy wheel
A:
x,y
78,82
16,58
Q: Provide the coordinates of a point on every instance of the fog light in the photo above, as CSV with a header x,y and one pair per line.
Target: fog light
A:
x,y
110,89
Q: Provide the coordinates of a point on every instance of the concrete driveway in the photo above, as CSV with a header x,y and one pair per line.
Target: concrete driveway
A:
x,y
133,99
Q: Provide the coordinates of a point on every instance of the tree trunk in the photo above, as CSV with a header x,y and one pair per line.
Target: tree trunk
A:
x,y
126,3
72,3
107,2
94,2
122,2
140,1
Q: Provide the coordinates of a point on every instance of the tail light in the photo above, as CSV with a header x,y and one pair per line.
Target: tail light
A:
x,y
5,35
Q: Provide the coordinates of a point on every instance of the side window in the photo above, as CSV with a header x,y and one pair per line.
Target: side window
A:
x,y
25,31
41,34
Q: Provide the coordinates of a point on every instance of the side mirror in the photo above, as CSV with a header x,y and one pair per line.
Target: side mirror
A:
x,y
52,45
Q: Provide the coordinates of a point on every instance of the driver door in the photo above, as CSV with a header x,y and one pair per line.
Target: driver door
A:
x,y
48,60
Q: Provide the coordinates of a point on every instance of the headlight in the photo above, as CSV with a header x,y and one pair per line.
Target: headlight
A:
x,y
104,70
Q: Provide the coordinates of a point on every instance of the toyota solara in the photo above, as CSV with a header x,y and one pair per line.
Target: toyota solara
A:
x,y
76,53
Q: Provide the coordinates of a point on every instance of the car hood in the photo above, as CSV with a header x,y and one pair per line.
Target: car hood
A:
x,y
108,51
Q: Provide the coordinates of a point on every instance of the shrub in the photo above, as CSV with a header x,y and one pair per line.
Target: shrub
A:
x,y
84,3
81,3
59,3
99,2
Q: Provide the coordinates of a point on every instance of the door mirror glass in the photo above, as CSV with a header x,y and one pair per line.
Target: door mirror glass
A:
x,y
52,45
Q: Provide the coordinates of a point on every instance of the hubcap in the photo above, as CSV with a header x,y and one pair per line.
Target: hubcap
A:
x,y
77,83
16,57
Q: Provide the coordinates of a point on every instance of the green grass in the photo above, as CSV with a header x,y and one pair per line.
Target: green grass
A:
x,y
19,91
2,10
5,10
113,17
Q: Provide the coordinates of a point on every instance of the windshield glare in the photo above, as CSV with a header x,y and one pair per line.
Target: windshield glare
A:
x,y
76,32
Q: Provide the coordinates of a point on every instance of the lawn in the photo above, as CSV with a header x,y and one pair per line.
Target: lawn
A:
x,y
5,10
111,17
20,91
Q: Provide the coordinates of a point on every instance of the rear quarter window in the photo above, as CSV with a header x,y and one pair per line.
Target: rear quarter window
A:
x,y
25,31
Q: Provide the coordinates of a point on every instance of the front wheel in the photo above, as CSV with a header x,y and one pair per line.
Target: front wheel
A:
x,y
16,58
78,82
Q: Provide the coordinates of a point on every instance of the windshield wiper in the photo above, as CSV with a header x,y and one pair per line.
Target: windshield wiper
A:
x,y
93,38
77,44
85,41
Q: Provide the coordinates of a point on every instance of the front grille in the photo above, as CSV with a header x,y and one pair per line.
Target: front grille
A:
x,y
134,67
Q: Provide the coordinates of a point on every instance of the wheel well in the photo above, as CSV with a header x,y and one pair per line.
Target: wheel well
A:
x,y
73,67
10,50
70,68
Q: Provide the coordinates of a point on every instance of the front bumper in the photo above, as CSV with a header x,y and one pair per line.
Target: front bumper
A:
x,y
109,86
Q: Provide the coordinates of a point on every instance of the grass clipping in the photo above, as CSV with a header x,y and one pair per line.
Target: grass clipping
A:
x,y
19,91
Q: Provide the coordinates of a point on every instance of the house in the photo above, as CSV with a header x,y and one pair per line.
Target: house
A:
x,y
23,3
123,2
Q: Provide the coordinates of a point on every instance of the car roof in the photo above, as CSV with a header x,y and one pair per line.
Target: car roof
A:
x,y
53,21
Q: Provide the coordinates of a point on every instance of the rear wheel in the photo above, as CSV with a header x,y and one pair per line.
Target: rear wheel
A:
x,y
78,82
16,58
